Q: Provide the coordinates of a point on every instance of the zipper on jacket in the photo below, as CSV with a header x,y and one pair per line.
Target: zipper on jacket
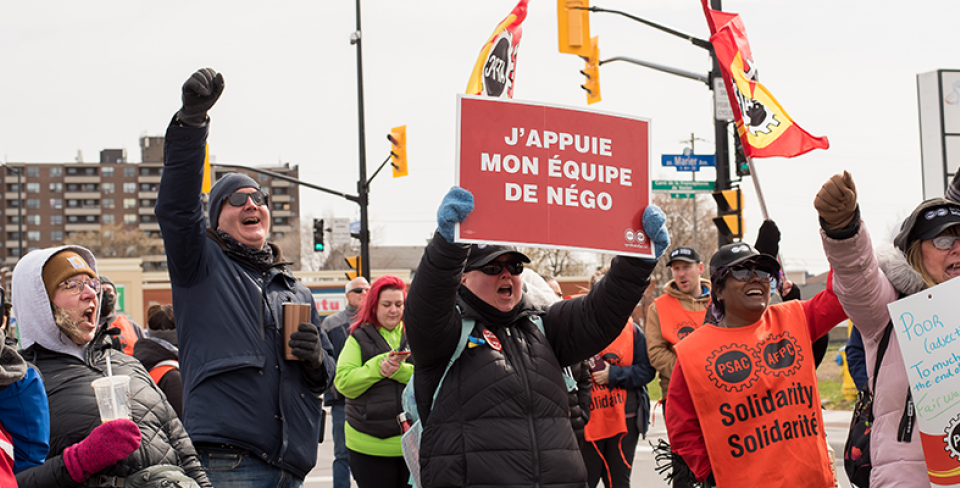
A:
x,y
522,370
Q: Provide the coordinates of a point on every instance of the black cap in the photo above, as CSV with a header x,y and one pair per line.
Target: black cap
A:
x,y
934,221
482,254
739,252
684,253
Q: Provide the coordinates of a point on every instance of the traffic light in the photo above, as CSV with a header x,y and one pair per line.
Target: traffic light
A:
x,y
354,263
318,235
573,27
729,218
592,72
398,150
743,169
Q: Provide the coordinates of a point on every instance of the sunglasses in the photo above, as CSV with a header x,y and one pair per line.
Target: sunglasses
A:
x,y
743,273
944,243
496,267
239,199
75,285
358,290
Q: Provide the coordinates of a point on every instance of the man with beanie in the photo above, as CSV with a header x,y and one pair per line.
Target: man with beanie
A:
x,y
336,327
229,286
57,296
128,332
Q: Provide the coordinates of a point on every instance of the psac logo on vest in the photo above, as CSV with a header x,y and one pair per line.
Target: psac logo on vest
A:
x,y
780,355
685,328
732,367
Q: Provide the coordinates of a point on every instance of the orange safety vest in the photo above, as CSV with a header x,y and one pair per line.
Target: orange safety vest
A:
x,y
128,336
755,393
677,322
607,416
162,368
6,459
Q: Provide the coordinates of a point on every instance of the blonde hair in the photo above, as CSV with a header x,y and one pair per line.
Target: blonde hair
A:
x,y
915,258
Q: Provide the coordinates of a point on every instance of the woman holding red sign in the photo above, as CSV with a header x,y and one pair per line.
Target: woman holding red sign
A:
x,y
372,370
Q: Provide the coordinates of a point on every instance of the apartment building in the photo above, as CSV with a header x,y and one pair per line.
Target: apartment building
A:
x,y
45,204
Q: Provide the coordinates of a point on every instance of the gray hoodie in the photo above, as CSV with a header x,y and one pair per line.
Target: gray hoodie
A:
x,y
32,305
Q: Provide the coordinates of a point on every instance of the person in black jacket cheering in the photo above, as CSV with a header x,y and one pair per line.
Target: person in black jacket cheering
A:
x,y
502,415
56,296
253,415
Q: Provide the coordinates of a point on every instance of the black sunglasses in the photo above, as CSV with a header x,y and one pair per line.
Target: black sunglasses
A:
x,y
743,273
496,267
239,199
358,290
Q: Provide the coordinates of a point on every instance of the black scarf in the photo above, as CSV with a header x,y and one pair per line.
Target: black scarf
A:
x,y
487,312
261,258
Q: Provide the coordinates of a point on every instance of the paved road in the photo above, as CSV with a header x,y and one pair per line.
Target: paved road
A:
x,y
644,475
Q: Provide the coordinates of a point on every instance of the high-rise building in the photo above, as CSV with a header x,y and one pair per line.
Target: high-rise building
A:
x,y
46,204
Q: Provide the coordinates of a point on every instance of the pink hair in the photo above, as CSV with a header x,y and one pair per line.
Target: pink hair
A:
x,y
368,309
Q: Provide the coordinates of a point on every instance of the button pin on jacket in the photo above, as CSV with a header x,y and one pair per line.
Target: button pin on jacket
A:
x,y
492,339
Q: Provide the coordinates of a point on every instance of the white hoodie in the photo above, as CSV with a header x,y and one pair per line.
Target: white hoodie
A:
x,y
32,305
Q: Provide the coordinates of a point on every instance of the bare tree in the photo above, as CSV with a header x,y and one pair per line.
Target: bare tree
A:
x,y
687,228
555,262
117,241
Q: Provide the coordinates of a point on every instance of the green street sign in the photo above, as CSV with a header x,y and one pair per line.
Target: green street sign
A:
x,y
682,186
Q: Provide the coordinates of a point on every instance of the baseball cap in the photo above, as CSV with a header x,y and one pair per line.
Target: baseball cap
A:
x,y
738,252
935,220
482,254
684,253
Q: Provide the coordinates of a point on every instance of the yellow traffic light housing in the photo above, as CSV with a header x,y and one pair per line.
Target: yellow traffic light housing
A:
x,y
354,263
573,27
592,72
729,218
398,150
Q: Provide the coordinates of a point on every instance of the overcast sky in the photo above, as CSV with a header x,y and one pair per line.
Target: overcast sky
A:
x,y
92,75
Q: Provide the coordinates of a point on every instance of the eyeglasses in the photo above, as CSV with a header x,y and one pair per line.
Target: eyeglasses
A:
x,y
944,243
239,199
496,267
75,285
358,290
743,273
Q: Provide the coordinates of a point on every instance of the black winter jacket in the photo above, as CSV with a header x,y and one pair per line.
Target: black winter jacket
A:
x,y
74,414
375,411
502,417
151,351
580,399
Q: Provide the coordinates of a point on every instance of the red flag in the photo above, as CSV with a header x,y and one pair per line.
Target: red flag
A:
x,y
493,74
763,125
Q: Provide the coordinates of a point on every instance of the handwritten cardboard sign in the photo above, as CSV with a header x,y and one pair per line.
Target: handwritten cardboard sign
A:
x,y
927,325
550,176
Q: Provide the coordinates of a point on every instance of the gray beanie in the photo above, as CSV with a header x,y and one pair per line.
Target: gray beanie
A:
x,y
225,187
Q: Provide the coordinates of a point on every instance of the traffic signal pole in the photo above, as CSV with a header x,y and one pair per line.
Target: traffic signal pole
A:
x,y
363,186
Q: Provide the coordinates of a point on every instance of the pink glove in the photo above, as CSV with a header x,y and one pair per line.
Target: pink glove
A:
x,y
108,443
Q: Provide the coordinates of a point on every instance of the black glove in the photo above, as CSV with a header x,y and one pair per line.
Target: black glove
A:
x,y
768,239
305,344
200,92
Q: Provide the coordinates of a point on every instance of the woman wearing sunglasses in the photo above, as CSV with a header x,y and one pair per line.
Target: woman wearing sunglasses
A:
x,y
924,254
743,395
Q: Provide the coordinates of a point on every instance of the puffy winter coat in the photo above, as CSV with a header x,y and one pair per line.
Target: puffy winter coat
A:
x,y
74,414
502,416
865,281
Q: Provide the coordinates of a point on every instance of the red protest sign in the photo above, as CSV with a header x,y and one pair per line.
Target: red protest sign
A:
x,y
550,176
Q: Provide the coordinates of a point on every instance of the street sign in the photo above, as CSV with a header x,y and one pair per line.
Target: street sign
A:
x,y
683,195
682,186
688,162
340,232
721,102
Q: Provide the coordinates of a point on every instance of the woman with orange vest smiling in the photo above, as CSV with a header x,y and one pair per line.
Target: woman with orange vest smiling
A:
x,y
744,404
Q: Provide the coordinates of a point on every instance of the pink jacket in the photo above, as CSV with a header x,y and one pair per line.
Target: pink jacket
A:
x,y
866,281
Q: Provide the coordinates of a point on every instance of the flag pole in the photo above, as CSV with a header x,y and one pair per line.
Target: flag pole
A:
x,y
756,186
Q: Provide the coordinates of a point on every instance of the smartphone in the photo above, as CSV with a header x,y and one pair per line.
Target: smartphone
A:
x,y
404,352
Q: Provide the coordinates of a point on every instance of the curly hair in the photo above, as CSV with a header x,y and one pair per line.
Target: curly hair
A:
x,y
367,315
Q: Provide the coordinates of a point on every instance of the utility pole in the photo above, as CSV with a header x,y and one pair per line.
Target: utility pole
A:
x,y
363,186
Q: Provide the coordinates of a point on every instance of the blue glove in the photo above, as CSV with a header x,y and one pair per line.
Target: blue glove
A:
x,y
456,205
654,226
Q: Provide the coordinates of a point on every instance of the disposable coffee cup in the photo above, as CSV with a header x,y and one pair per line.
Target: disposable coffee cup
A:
x,y
113,397
293,314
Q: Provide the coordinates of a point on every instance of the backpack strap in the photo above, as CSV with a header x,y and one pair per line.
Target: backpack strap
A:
x,y
467,326
907,420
